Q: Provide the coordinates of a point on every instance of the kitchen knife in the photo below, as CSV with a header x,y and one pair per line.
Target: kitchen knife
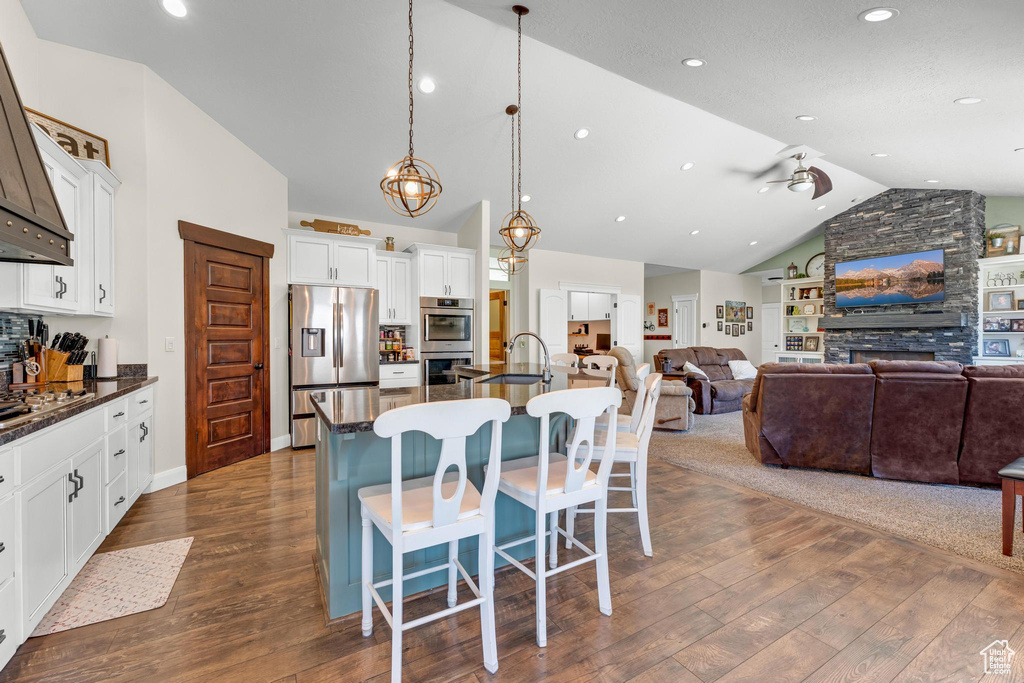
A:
x,y
56,341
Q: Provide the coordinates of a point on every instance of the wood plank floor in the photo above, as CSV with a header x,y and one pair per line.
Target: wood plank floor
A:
x,y
742,587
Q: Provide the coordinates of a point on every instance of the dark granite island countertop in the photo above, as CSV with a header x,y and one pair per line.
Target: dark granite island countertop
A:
x,y
345,411
105,390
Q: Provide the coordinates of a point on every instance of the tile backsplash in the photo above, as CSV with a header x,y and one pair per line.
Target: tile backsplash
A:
x,y
13,331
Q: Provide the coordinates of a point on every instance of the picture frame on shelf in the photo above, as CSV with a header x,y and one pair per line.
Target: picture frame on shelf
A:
x,y
811,344
1020,353
1020,305
810,309
794,343
995,323
797,325
1001,300
1017,325
995,348
719,311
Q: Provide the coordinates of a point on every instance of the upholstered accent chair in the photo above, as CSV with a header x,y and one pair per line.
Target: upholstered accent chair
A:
x,y
675,407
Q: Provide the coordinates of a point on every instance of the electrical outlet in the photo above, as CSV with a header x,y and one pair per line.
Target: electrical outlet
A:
x,y
168,343
277,342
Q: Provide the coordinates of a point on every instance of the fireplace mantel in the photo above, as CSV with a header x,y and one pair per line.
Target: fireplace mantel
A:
x,y
892,321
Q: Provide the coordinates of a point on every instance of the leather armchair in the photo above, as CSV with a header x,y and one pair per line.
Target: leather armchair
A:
x,y
675,406
991,437
918,418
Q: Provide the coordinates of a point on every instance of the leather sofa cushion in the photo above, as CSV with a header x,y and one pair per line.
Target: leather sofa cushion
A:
x,y
1004,371
990,437
805,369
731,389
1015,470
930,366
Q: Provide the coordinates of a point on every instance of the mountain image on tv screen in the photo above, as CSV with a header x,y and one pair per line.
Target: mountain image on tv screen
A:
x,y
913,278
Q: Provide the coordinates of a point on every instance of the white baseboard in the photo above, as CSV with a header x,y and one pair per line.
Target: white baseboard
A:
x,y
279,442
162,480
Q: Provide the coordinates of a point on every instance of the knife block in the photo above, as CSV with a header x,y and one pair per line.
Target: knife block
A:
x,y
57,369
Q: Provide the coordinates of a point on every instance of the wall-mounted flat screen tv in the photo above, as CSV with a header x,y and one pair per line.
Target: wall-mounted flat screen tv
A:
x,y
912,278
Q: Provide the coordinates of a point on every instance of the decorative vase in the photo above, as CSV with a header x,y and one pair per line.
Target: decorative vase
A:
x,y
996,242
389,244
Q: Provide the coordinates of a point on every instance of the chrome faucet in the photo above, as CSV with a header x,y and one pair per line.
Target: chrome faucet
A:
x,y
546,377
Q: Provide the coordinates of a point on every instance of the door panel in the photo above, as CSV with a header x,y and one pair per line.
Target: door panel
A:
x,y
310,260
86,510
401,298
554,306
103,247
226,306
631,324
433,278
312,330
771,331
460,275
44,549
384,287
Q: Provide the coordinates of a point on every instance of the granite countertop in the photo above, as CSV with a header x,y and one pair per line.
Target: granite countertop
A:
x,y
106,390
354,410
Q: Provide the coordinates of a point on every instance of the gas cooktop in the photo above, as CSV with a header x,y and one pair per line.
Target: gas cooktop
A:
x,y
19,407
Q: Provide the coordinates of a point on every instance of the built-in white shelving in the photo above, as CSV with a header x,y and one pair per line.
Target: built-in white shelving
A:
x,y
801,325
1001,274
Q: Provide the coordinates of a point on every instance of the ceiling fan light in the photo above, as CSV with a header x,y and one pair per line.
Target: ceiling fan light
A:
x,y
801,185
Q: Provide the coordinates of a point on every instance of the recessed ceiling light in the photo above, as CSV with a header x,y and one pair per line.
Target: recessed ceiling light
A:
x,y
806,117
820,208
694,232
878,14
619,219
880,155
687,166
694,61
763,189
581,133
176,8
526,197
753,243
427,85
931,181
968,100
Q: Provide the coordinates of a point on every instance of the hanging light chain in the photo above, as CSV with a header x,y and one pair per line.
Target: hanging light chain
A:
x,y
519,113
512,175
411,53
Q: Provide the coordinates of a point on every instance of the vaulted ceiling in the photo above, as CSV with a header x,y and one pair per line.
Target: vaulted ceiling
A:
x,y
318,90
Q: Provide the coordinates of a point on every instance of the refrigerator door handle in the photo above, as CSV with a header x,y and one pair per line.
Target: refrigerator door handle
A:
x,y
339,327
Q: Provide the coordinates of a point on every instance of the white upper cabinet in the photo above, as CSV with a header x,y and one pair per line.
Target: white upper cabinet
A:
x,y
445,271
85,193
316,258
579,306
394,280
600,306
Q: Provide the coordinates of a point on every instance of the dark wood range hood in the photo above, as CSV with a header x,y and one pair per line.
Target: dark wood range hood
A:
x,y
32,228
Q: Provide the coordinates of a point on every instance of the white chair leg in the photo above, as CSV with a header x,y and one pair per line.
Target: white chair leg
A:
x,y
366,575
641,495
570,525
553,541
486,578
604,591
396,616
632,480
453,573
542,616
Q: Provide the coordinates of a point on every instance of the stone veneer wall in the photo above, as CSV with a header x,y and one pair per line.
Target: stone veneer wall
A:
x,y
900,221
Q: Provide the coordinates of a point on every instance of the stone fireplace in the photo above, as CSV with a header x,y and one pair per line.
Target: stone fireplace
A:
x,y
900,221
866,355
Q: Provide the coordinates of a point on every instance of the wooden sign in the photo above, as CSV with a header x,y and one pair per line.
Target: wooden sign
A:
x,y
662,317
657,337
337,228
75,141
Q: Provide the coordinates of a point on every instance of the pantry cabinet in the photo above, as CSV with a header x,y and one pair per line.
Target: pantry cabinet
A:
x,y
445,271
316,258
394,281
586,306
85,193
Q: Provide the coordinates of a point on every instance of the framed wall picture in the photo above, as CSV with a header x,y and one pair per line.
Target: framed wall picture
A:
x,y
995,323
719,311
662,317
736,330
750,326
735,311
750,312
996,347
811,344
728,330
719,325
999,301
1017,325
743,330
1020,305
650,309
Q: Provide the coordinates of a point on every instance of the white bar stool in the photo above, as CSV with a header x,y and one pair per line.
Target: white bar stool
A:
x,y
630,448
602,362
420,513
565,359
565,482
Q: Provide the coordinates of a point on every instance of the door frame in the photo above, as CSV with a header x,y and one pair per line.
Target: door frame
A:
x,y
777,306
676,298
192,235
502,296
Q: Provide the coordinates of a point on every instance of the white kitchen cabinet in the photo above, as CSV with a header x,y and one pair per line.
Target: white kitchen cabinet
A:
x,y
44,542
335,260
394,281
85,504
445,271
85,193
398,375
600,306
10,620
579,305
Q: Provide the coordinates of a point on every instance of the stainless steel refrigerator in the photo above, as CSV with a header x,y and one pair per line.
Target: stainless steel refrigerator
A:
x,y
333,343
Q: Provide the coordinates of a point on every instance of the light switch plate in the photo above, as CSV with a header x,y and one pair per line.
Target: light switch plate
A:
x,y
168,343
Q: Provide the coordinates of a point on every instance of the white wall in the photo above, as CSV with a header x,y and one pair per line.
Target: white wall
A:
x,y
475,234
715,289
660,291
404,234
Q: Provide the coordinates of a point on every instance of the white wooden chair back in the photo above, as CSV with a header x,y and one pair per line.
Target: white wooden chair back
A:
x,y
645,427
602,362
641,394
565,359
450,422
584,406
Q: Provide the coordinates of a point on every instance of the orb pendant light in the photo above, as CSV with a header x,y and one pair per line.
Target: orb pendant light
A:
x,y
512,262
411,187
518,229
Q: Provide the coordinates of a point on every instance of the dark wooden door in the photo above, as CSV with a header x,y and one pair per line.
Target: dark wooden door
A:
x,y
226,296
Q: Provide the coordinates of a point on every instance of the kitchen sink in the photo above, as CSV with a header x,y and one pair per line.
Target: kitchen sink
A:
x,y
512,379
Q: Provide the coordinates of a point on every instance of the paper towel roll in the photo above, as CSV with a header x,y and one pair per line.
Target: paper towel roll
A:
x,y
106,363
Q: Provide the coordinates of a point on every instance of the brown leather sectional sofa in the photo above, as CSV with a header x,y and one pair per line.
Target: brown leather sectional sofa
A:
x,y
932,421
719,393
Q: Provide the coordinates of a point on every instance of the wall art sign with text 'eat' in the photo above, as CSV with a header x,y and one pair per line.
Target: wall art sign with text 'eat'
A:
x,y
75,141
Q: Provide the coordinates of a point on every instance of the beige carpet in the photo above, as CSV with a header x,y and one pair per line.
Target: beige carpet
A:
x,y
961,519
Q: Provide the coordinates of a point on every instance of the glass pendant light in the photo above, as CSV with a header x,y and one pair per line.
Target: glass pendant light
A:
x,y
519,230
411,187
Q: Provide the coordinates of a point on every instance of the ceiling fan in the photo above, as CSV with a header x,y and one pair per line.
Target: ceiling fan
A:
x,y
802,178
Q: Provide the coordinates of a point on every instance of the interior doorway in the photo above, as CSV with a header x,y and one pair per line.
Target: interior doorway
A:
x,y
771,331
498,325
227,359
684,320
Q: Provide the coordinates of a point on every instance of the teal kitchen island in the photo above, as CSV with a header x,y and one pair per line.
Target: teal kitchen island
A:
x,y
350,456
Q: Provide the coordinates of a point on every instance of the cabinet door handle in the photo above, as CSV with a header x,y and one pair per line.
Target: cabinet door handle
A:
x,y
104,296
145,400
2,548
120,452
398,372
3,636
120,414
2,480
118,501
71,496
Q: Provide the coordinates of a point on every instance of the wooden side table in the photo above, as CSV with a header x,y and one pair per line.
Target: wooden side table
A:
x,y
1013,485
